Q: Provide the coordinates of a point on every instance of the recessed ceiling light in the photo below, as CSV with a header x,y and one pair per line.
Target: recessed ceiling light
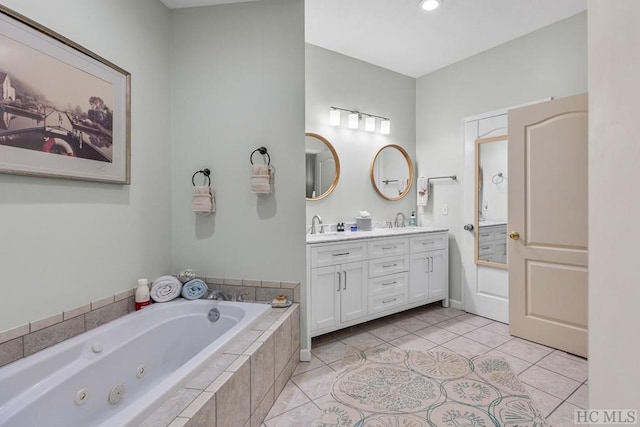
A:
x,y
430,4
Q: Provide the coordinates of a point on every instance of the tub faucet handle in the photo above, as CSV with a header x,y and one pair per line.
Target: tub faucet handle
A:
x,y
242,296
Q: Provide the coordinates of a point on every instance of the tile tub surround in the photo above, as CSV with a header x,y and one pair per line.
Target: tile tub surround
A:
x,y
30,338
255,290
240,387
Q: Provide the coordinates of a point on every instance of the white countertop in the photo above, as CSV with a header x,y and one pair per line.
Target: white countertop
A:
x,y
334,236
489,223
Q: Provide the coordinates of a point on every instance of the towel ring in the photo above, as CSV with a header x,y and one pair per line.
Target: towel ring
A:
x,y
497,178
263,151
206,173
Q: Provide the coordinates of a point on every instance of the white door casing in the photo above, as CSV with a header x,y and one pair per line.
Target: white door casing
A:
x,y
486,289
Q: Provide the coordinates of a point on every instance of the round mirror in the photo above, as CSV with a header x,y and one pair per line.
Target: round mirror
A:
x,y
392,172
322,167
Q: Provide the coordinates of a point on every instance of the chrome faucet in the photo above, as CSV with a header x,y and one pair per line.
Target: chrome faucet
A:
x,y
313,224
220,296
400,224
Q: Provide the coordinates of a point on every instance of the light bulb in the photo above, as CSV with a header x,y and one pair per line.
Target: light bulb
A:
x,y
370,124
353,121
430,4
334,117
385,127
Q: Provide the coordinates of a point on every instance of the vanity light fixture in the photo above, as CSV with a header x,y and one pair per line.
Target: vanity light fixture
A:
x,y
354,117
385,127
334,117
429,5
370,124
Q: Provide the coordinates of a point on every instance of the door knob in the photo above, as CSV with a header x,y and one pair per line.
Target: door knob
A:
x,y
514,235
468,227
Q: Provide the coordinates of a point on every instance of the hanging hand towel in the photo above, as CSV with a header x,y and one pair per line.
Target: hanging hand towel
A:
x,y
402,184
165,288
260,179
423,191
203,199
194,289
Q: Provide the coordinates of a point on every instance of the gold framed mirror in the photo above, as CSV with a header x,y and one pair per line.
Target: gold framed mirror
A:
x,y
322,166
391,172
491,201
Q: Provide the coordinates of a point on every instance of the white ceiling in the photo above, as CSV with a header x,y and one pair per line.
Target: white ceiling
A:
x,y
398,35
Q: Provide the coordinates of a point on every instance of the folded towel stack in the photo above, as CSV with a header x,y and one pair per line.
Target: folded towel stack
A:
x,y
203,199
261,179
194,289
423,191
165,288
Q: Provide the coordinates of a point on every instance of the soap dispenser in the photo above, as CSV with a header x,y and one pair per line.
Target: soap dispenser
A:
x,y
412,219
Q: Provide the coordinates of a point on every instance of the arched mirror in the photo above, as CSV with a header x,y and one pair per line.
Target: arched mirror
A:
x,y
322,166
491,201
392,172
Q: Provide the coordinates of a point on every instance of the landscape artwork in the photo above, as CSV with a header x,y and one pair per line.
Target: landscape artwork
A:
x,y
64,112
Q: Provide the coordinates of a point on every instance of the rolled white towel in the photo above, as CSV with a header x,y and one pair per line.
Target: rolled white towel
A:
x,y
165,288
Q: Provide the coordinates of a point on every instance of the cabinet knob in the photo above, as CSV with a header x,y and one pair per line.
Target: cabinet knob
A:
x,y
514,235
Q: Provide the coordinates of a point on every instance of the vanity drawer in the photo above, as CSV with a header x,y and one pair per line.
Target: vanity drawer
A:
x,y
428,242
485,248
387,301
392,283
485,234
386,247
389,265
322,256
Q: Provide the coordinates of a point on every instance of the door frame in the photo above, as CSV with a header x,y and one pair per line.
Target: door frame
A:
x,y
469,274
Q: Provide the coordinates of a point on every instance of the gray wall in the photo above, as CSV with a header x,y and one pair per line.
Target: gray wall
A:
x,y
65,243
333,79
237,83
614,208
549,62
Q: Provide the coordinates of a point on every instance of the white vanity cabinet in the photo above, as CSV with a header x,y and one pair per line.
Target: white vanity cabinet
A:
x,y
366,276
492,243
429,268
339,276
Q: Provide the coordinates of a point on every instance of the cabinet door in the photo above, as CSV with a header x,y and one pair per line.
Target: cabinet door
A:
x,y
325,297
419,267
438,274
353,290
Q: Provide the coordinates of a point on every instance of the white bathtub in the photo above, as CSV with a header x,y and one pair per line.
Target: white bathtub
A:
x,y
152,353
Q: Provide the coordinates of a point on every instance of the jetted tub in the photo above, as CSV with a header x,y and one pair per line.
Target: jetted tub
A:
x,y
118,373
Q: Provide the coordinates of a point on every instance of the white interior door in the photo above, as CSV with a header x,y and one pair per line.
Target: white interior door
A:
x,y
486,289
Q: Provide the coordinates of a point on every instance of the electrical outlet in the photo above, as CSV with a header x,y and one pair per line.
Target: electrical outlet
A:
x,y
445,209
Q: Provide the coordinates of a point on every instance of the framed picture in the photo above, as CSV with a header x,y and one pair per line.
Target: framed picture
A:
x,y
64,111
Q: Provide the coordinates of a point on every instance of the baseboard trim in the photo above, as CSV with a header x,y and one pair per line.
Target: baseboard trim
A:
x,y
456,304
305,355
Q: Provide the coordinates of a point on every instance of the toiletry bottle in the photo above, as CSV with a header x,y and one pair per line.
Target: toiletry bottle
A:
x,y
412,219
142,294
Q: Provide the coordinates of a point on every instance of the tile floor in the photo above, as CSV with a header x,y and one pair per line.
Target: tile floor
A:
x,y
556,381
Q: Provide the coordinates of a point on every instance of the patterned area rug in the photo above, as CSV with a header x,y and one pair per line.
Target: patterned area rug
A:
x,y
390,387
